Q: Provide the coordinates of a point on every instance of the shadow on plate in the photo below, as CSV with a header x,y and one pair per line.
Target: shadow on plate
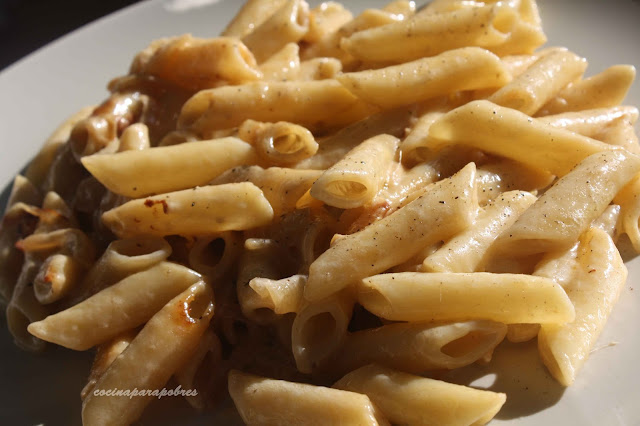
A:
x,y
516,369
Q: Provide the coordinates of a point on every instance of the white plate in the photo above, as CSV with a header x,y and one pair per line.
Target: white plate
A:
x,y
38,92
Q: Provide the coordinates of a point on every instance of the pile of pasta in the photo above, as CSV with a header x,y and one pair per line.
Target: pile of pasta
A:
x,y
314,211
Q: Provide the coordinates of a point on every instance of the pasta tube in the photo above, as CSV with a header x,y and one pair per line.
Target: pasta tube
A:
x,y
135,138
431,34
198,211
506,298
566,210
333,148
57,276
418,347
177,329
411,146
24,310
594,290
512,134
251,15
263,401
630,210
215,256
413,400
17,218
312,104
540,82
279,143
465,251
158,170
357,178
288,24
591,122
121,259
280,296
283,65
195,63
116,308
446,208
518,333
467,68
319,69
319,330
329,46
325,20
105,355
606,89
196,372
282,187
39,167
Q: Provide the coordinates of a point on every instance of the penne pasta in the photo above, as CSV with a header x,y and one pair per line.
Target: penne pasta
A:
x,y
455,70
135,138
288,24
40,165
443,210
357,178
153,171
195,63
414,400
282,187
188,212
418,347
58,275
177,327
279,296
333,148
591,122
251,15
105,355
465,251
373,201
329,46
326,19
601,176
603,90
115,309
518,333
319,330
18,219
279,143
593,290
540,82
429,34
486,126
283,65
320,69
630,210
215,256
192,375
313,104
263,401
121,259
506,298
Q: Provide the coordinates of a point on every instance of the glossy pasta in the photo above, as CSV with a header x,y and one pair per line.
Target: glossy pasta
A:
x,y
317,213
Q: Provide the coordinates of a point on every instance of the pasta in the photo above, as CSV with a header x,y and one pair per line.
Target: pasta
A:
x,y
186,212
444,209
263,401
509,298
178,325
137,174
423,401
319,215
